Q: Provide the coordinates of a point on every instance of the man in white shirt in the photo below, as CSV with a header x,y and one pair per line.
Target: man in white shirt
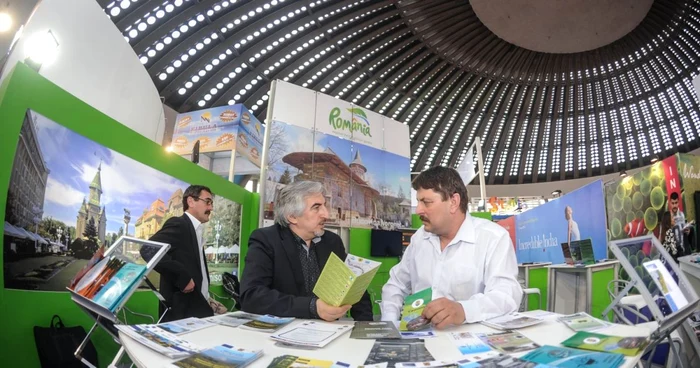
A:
x,y
468,262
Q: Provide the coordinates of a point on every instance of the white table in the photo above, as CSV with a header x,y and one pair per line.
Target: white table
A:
x,y
355,351
564,294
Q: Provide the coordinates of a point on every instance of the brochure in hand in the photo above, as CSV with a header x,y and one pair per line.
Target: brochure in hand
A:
x,y
375,330
555,356
344,283
629,346
413,305
512,322
311,333
397,351
582,322
159,340
508,342
218,357
186,325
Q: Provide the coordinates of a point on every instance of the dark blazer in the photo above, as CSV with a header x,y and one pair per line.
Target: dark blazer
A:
x,y
178,266
273,281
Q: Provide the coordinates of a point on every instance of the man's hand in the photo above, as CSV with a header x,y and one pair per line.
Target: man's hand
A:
x,y
443,312
328,312
189,287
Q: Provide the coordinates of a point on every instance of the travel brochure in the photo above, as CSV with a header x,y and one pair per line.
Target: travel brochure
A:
x,y
513,321
311,333
344,283
471,346
666,284
413,306
263,323
375,330
508,342
286,361
233,319
159,340
218,357
184,326
629,345
582,322
108,281
555,356
397,351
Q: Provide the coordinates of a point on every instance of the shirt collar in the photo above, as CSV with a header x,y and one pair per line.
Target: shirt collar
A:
x,y
466,232
194,220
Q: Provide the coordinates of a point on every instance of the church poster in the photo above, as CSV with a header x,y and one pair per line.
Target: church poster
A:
x,y
361,157
69,195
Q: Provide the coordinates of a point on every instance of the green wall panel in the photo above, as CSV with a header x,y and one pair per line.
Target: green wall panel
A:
x,y
538,279
600,298
21,310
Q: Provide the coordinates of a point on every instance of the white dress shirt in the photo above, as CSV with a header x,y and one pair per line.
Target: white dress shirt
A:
x,y
478,269
575,233
199,229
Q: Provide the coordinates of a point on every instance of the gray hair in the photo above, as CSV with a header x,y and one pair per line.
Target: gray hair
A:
x,y
291,200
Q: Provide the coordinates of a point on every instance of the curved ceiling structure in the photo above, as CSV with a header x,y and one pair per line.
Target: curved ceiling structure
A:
x,y
433,65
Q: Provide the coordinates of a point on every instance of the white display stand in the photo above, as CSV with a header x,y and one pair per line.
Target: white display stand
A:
x,y
680,296
127,249
565,286
354,351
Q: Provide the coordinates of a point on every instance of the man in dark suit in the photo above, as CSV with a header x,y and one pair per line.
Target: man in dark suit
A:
x,y
285,260
184,276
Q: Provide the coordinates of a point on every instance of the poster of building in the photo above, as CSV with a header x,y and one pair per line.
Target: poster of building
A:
x,y
68,196
355,152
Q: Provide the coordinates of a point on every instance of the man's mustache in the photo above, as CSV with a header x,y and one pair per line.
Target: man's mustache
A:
x,y
424,219
207,212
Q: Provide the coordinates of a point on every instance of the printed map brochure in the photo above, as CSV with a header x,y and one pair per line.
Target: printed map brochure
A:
x,y
629,346
219,356
582,322
512,322
375,330
555,356
508,342
343,283
413,307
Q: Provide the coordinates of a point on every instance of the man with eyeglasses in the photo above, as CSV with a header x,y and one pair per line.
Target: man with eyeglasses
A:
x,y
184,276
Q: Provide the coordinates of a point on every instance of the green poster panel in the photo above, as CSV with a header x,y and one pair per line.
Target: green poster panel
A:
x,y
21,310
599,295
539,278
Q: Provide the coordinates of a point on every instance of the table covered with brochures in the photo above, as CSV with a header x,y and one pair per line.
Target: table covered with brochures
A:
x,y
273,346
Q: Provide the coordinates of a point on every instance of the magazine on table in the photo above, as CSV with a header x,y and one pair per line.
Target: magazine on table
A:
x,y
556,356
629,345
508,342
311,333
375,330
582,322
286,361
224,355
159,340
512,321
183,326
263,323
471,346
233,319
397,351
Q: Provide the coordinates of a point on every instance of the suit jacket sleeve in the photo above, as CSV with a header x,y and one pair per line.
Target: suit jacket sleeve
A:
x,y
362,310
256,294
171,233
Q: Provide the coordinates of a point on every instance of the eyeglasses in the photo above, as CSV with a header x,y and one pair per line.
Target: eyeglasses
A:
x,y
207,201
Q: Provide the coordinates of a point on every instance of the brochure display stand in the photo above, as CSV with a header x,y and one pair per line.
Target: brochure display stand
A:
x,y
128,251
667,292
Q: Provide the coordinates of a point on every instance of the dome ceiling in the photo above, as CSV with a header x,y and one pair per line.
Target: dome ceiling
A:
x,y
435,66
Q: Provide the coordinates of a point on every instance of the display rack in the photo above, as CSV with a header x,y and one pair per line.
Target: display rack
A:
x,y
127,249
679,295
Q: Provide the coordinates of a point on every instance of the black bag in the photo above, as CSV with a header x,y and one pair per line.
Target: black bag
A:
x,y
57,345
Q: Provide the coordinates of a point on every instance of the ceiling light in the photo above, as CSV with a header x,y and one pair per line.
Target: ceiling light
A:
x,y
42,47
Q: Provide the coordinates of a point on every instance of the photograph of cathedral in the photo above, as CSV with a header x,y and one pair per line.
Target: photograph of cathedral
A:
x,y
365,186
69,196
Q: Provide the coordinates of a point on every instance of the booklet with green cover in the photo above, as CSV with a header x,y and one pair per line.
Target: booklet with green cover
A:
x,y
343,283
413,306
629,346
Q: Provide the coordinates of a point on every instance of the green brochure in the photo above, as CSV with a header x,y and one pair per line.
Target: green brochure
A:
x,y
629,346
343,283
413,307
